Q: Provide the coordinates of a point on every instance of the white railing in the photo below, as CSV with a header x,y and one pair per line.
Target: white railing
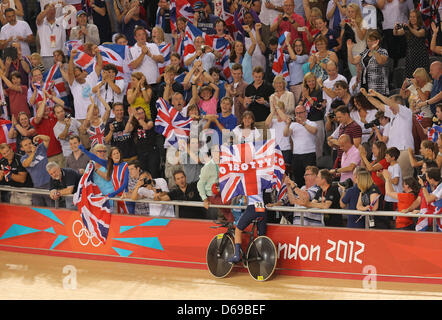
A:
x,y
299,210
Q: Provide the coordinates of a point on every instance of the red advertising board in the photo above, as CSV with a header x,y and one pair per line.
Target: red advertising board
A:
x,y
302,251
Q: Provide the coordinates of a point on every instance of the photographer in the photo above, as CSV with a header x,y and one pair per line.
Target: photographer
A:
x,y
289,21
431,193
148,188
64,181
117,135
369,200
65,127
380,126
202,18
203,53
349,200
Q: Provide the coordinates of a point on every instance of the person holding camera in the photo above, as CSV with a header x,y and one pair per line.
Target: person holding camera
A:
x,y
110,88
289,21
370,200
415,35
349,200
65,127
431,192
16,30
257,97
117,134
203,19
64,181
148,188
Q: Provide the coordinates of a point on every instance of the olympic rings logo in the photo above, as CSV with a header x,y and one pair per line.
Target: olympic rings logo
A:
x,y
83,235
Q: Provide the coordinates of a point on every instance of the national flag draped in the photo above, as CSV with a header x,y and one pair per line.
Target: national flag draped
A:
x,y
279,64
93,206
116,55
247,169
5,127
171,123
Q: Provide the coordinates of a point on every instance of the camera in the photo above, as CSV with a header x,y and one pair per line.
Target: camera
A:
x,y
147,181
67,116
203,48
424,179
348,183
10,52
374,123
331,115
285,19
117,126
254,98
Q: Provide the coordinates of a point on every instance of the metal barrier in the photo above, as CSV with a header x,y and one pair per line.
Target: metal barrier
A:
x,y
300,210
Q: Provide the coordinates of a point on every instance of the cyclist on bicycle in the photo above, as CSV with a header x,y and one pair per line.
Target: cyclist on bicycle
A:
x,y
255,209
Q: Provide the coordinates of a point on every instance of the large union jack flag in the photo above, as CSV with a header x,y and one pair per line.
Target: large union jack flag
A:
x,y
93,206
248,169
165,50
171,123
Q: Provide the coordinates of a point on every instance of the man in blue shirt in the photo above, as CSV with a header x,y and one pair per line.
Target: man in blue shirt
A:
x,y
203,19
130,21
224,120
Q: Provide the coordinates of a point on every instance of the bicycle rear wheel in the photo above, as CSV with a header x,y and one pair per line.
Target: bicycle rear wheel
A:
x,y
261,258
220,249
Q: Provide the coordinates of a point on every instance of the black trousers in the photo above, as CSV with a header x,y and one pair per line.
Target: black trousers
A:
x,y
299,163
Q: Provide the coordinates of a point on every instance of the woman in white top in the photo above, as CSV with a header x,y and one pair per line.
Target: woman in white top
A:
x,y
416,90
282,94
246,132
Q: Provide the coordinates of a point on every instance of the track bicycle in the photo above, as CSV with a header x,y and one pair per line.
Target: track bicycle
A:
x,y
260,258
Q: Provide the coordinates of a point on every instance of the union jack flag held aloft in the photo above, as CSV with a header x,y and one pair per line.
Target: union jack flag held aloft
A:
x,y
171,123
249,169
279,64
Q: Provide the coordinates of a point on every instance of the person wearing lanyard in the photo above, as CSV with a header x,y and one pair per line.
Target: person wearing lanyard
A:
x,y
327,197
51,33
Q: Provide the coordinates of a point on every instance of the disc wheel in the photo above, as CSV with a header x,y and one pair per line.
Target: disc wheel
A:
x,y
261,258
220,249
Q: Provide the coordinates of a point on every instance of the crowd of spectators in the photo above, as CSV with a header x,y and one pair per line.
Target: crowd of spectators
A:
x,y
356,118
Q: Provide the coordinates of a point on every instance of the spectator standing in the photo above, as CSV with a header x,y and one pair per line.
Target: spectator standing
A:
x,y
84,31
257,97
17,93
302,133
415,36
318,60
65,127
327,197
236,90
369,200
34,160
117,134
203,19
140,93
379,163
349,200
436,92
239,55
395,174
328,84
145,56
44,123
101,19
77,160
21,128
400,132
373,61
283,95
51,33
64,181
131,20
298,57
18,63
12,173
16,30
93,127
350,158
185,192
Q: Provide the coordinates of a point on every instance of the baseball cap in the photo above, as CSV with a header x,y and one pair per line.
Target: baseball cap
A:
x,y
80,12
198,5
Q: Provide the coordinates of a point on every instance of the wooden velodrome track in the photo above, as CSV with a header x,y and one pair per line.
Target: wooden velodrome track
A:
x,y
40,277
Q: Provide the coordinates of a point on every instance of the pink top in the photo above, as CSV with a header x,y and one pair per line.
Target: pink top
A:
x,y
349,157
209,106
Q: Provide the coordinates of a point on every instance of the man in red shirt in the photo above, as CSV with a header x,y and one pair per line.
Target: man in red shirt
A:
x,y
44,122
289,21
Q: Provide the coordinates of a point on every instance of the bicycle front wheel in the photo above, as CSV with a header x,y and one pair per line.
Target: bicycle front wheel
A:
x,y
220,250
261,258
